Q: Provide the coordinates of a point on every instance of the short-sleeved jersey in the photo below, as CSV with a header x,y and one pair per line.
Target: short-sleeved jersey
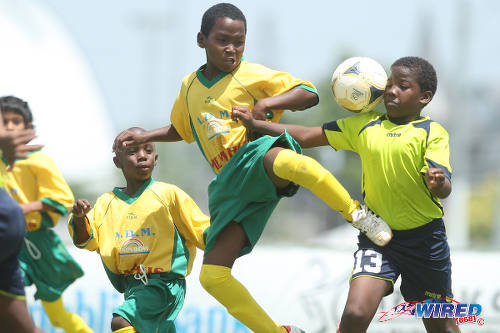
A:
x,y
159,227
202,110
394,160
37,178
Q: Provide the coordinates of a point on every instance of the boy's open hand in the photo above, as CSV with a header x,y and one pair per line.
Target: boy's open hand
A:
x,y
14,144
242,113
81,208
126,139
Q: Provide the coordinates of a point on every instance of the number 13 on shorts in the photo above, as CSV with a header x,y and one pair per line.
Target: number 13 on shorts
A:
x,y
367,261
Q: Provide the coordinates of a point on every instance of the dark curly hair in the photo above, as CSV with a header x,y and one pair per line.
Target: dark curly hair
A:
x,y
426,75
17,105
220,10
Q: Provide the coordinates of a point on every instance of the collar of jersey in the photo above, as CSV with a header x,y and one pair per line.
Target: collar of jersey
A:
x,y
422,118
123,196
209,83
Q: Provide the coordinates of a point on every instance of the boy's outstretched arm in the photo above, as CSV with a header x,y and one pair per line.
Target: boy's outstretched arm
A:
x,y
307,137
294,99
129,138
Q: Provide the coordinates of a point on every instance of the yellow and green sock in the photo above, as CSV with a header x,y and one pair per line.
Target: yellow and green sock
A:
x,y
60,317
307,172
218,282
128,329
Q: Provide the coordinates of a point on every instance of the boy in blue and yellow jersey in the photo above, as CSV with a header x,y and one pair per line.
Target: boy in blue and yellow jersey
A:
x,y
44,196
252,176
14,315
146,234
406,170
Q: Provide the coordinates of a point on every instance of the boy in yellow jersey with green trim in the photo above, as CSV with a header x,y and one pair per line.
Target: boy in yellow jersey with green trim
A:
x,y
252,176
44,196
146,234
14,314
406,170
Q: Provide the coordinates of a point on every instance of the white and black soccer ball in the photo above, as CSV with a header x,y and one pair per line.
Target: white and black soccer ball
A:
x,y
358,84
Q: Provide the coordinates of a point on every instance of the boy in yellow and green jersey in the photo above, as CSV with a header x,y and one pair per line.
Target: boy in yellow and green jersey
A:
x,y
146,234
406,171
44,196
253,174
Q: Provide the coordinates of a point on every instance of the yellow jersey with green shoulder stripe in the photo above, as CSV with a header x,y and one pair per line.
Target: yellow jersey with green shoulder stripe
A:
x,y
202,109
395,158
37,178
159,228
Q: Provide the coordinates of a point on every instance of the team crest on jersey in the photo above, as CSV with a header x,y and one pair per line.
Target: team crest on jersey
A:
x,y
133,246
214,128
213,125
131,216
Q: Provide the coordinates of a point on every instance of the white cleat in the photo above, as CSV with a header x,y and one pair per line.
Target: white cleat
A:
x,y
373,226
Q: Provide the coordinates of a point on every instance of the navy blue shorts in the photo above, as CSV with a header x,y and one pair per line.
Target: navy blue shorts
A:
x,y
421,256
12,231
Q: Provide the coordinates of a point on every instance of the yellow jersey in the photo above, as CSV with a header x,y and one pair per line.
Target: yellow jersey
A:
x,y
159,228
37,178
202,109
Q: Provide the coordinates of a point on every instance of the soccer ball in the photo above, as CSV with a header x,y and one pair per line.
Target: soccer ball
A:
x,y
358,84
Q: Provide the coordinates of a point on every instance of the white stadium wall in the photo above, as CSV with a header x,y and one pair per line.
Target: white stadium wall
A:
x,y
303,286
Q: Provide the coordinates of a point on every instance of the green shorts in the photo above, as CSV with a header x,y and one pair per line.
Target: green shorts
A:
x,y
155,306
242,191
46,263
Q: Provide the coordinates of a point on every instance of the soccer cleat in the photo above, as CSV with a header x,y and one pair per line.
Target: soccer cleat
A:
x,y
293,329
376,229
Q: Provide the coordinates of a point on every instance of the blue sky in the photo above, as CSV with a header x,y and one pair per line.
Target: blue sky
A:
x,y
140,50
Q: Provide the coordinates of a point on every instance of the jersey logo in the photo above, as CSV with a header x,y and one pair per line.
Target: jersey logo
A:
x,y
213,125
133,246
131,216
214,128
394,135
209,100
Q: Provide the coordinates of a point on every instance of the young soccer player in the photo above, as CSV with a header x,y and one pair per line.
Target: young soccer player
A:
x,y
44,196
14,315
252,176
146,234
406,170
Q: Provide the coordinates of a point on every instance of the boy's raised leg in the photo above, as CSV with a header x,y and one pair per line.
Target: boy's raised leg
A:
x,y
284,165
307,172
